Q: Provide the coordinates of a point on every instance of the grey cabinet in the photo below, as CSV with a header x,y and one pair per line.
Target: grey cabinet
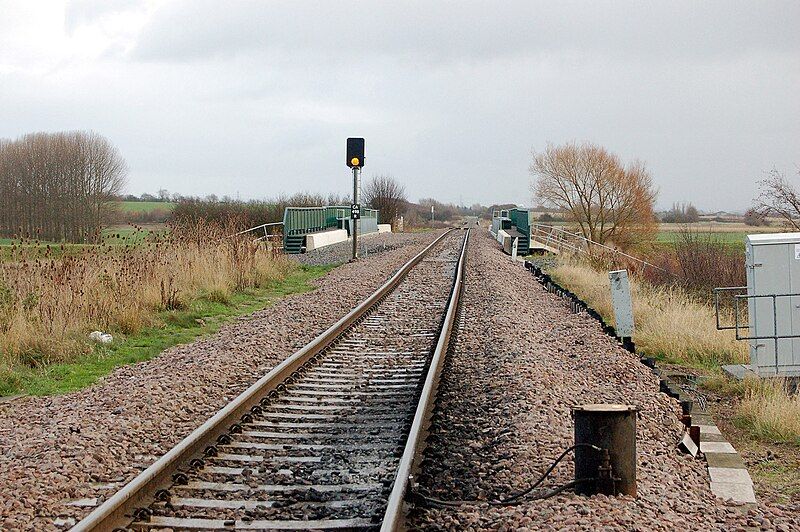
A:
x,y
773,277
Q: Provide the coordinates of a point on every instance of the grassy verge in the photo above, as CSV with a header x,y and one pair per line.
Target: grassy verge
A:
x,y
48,306
202,317
671,324
761,417
762,420
765,408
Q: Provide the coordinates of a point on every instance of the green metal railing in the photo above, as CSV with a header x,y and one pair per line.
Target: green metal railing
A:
x,y
300,221
520,218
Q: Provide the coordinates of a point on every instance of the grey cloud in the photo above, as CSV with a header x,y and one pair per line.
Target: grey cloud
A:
x,y
83,12
431,32
257,98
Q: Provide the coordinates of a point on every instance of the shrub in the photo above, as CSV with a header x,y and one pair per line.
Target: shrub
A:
x,y
242,215
698,262
755,218
157,215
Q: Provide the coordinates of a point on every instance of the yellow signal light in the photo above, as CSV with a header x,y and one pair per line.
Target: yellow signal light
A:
x,y
354,161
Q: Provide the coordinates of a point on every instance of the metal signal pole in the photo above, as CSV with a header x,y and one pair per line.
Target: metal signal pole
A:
x,y
356,201
355,160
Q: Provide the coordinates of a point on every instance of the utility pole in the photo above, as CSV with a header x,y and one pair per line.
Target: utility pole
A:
x,y
432,217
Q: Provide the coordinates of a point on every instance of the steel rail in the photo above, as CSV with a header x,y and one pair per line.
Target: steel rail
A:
x,y
412,453
117,511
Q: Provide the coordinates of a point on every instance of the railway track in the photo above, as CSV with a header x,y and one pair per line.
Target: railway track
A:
x,y
330,437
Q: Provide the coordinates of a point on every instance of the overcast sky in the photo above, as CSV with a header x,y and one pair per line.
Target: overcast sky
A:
x,y
257,98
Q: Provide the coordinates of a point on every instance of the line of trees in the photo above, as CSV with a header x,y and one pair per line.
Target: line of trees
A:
x,y
58,186
388,195
382,192
681,213
245,214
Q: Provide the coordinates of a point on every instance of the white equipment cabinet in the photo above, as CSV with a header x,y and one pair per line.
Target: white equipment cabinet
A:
x,y
773,303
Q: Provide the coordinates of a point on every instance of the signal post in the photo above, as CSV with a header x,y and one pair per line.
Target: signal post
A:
x,y
355,160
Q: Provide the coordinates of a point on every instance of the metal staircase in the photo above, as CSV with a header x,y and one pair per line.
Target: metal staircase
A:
x,y
293,243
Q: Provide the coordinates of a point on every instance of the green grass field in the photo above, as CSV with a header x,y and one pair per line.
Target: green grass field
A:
x,y
126,234
146,206
723,237
729,234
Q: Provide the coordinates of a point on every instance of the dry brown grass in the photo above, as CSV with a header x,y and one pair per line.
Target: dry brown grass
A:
x,y
770,411
766,408
670,322
47,306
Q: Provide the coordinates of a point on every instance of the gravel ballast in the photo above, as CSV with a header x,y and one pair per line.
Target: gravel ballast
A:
x,y
521,360
59,453
368,245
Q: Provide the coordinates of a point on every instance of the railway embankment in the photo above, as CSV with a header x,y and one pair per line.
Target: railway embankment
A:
x,y
522,359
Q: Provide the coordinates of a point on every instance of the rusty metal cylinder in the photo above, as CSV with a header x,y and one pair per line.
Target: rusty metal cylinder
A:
x,y
612,428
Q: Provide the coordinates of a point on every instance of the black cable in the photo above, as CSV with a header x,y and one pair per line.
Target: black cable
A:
x,y
547,473
558,490
543,496
513,499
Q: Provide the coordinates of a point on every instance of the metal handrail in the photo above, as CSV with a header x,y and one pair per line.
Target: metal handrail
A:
x,y
588,241
717,292
262,226
737,326
258,227
774,297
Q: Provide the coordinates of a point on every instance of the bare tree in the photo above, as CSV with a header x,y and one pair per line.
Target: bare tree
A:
x,y
754,218
609,201
779,198
58,186
107,172
386,194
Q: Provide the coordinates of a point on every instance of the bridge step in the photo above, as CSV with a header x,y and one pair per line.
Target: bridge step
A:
x,y
293,244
